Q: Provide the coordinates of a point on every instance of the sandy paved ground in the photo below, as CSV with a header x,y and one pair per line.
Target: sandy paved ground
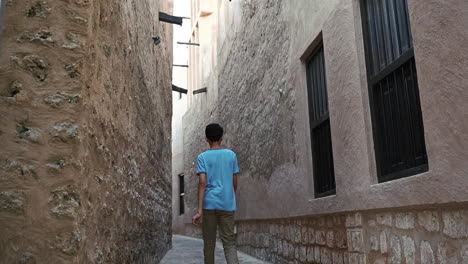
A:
x,y
186,250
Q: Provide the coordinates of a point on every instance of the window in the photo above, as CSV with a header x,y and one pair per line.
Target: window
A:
x,y
181,194
324,175
393,89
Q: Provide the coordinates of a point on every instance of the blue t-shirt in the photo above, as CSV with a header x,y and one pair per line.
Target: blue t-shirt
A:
x,y
219,165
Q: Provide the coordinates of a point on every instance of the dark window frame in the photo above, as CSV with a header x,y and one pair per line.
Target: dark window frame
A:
x,y
319,121
181,194
374,77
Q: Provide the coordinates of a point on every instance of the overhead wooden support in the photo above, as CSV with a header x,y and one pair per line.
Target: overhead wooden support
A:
x,y
178,89
202,90
170,19
188,43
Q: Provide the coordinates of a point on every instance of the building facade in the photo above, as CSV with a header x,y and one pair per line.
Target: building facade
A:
x,y
85,126
349,121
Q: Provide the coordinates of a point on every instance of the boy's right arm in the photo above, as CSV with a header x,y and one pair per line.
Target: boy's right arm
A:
x,y
201,195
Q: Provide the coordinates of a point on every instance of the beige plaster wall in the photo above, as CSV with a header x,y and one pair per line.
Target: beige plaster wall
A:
x,y
262,103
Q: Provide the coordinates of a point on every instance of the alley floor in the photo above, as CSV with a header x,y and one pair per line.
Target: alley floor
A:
x,y
188,250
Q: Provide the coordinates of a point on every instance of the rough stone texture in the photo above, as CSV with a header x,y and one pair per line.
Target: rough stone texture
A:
x,y
409,250
255,238
464,254
404,220
447,253
85,114
384,219
395,254
12,201
429,220
456,223
427,255
383,242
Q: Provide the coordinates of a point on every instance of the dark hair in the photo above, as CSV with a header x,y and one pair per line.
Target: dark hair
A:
x,y
214,132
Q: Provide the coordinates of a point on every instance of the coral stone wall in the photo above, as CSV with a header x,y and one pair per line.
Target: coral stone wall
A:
x,y
85,115
427,236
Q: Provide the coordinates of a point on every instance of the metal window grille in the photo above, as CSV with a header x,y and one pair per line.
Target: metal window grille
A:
x,y
181,194
394,94
324,175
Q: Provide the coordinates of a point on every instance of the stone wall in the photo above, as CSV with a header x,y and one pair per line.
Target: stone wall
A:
x,y
85,114
427,236
300,240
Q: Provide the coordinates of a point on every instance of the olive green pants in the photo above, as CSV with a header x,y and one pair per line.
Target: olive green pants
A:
x,y
225,221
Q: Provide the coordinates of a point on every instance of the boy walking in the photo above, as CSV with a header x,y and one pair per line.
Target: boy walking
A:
x,y
217,170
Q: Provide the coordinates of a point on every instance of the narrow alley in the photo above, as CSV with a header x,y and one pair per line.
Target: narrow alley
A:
x,y
343,124
188,250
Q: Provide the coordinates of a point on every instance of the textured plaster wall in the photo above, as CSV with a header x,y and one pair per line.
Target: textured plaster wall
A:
x,y
179,78
85,108
262,102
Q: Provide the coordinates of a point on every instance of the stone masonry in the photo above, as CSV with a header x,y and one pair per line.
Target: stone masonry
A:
x,y
397,237
85,116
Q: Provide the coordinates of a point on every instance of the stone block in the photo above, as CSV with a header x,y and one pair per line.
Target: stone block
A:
x,y
305,235
68,242
65,131
409,250
310,254
27,258
427,254
317,254
303,254
395,254
12,201
383,242
43,36
27,133
15,168
325,256
372,223
33,64
337,257
455,223
297,234
291,249
429,220
464,254
39,9
404,220
357,258
73,70
355,241
311,234
57,99
374,243
340,239
447,253
320,238
384,219
64,202
330,239
354,220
